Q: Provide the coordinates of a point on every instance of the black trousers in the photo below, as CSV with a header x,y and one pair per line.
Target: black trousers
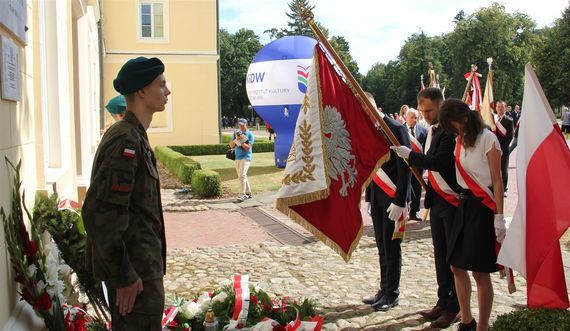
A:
x,y
389,251
505,168
442,215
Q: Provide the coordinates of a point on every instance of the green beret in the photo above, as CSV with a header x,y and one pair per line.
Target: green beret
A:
x,y
137,73
117,105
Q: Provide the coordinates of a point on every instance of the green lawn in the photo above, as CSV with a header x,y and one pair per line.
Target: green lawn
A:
x,y
263,175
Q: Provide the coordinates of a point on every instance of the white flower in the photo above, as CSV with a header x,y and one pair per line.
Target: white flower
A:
x,y
204,301
40,287
51,275
65,270
221,297
190,310
31,270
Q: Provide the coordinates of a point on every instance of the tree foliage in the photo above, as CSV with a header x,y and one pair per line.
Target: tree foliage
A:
x,y
295,25
552,61
511,39
236,53
492,32
342,48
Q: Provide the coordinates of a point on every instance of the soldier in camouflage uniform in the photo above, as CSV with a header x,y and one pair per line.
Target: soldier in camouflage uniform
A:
x,y
122,211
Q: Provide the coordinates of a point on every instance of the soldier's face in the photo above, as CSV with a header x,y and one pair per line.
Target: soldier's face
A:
x,y
156,94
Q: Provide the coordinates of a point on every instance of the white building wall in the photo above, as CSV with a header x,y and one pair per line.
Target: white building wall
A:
x,y
48,129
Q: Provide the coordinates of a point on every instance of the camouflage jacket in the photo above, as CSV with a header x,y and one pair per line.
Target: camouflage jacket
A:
x,y
122,211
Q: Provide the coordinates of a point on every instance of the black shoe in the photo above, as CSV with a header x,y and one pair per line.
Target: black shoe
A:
x,y
374,298
414,217
385,303
471,326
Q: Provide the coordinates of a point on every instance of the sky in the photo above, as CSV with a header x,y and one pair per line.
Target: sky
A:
x,y
376,29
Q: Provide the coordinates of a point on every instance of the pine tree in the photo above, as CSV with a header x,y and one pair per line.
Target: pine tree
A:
x,y
296,25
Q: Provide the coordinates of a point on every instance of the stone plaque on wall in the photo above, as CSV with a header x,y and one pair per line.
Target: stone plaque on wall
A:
x,y
13,16
10,69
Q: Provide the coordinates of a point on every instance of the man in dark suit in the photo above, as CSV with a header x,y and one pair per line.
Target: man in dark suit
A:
x,y
504,133
419,133
440,199
386,208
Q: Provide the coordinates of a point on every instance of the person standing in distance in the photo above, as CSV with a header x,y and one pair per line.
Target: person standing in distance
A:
x,y
242,142
440,199
418,135
504,134
126,245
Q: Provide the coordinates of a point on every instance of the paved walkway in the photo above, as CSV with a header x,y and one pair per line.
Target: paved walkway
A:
x,y
211,240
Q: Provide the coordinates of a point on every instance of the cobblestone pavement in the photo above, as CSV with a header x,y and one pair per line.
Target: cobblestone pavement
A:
x,y
209,246
315,271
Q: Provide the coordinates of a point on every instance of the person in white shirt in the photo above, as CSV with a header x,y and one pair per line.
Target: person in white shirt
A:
x,y
479,221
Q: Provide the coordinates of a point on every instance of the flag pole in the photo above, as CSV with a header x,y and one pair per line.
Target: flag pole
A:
x,y
469,81
307,16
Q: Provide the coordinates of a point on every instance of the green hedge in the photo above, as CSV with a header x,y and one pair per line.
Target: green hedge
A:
x,y
206,183
180,165
533,319
219,149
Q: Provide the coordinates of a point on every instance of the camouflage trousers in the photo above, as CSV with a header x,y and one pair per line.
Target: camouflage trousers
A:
x,y
147,311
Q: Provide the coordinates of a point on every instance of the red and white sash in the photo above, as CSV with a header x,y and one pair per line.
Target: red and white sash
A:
x,y
441,187
499,128
474,185
416,145
385,183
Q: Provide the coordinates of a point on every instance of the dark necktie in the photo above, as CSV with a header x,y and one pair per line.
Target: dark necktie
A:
x,y
412,132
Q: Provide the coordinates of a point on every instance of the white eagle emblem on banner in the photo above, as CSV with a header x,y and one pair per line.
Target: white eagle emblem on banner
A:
x,y
338,149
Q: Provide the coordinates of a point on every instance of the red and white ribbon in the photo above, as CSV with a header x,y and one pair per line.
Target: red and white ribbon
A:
x,y
241,302
169,315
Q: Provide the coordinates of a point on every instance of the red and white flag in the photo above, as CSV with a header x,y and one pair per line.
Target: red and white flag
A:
x,y
531,245
474,98
488,104
336,150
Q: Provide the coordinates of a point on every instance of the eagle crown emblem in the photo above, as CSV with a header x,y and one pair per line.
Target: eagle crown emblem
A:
x,y
341,163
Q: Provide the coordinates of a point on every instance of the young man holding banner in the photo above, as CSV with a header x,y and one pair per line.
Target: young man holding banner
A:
x,y
388,195
440,199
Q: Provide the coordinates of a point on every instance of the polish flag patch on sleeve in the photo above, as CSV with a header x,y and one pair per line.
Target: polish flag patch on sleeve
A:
x,y
128,152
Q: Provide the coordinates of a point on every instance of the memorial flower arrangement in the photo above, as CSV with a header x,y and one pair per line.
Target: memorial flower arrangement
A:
x,y
37,266
62,219
256,310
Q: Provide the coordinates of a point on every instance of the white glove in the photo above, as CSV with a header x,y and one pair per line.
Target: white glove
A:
x,y
402,151
395,212
500,227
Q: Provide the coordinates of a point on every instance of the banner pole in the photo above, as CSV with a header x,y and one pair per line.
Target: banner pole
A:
x,y
307,16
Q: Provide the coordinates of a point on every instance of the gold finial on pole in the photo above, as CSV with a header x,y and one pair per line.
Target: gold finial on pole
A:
x,y
305,13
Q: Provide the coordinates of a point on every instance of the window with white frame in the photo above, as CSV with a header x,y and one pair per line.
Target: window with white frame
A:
x,y
153,19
